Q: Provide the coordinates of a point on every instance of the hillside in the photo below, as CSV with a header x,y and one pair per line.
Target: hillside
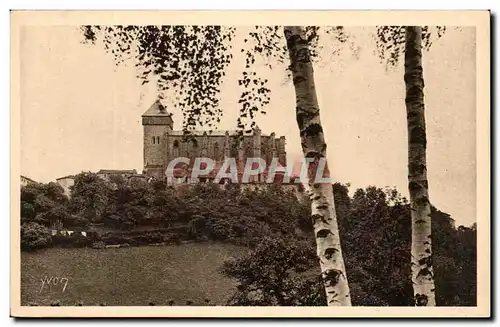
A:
x,y
374,226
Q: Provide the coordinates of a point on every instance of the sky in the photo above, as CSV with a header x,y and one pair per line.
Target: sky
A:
x,y
79,112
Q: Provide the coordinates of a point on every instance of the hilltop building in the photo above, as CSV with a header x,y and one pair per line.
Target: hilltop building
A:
x,y
162,143
26,181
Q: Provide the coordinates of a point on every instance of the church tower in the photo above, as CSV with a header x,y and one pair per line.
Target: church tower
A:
x,y
157,123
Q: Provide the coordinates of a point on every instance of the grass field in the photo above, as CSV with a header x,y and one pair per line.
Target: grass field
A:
x,y
128,276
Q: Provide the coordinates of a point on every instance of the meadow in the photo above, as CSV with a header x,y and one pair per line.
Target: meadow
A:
x,y
134,276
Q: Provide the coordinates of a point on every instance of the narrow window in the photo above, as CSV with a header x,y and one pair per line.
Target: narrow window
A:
x,y
158,140
153,140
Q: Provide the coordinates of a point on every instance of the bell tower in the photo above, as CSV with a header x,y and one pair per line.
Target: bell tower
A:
x,y
157,123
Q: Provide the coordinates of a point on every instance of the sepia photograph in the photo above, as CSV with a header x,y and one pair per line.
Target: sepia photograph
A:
x,y
250,164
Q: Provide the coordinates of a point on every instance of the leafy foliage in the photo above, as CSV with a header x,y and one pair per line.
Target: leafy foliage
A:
x,y
274,274
375,230
188,61
34,236
391,41
89,196
43,203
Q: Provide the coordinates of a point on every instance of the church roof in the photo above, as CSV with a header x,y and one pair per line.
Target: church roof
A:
x,y
157,109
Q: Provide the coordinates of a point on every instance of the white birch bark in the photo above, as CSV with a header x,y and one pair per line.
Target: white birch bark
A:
x,y
313,146
421,241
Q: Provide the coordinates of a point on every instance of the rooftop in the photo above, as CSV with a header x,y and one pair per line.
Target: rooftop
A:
x,y
114,171
64,177
28,179
157,109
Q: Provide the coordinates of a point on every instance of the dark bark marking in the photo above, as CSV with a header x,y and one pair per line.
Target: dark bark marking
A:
x,y
417,136
422,201
417,186
414,186
329,252
322,206
298,79
414,93
322,233
426,261
332,277
411,114
302,54
317,217
421,300
416,168
312,130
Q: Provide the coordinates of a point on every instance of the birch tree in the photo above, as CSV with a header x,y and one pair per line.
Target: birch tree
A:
x,y
392,39
323,215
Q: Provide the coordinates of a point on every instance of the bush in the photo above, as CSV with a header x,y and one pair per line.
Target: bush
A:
x,y
137,238
34,236
75,240
277,272
148,238
219,230
114,239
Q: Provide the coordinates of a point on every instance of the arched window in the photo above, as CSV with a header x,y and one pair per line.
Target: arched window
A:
x,y
153,140
157,140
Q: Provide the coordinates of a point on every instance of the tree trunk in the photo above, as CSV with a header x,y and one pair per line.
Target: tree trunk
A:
x,y
314,148
421,249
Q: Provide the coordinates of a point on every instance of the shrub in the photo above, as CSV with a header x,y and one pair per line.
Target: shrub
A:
x,y
276,273
148,238
219,230
34,236
117,238
75,240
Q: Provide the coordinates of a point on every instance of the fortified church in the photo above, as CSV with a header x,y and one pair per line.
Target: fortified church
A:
x,y
162,144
